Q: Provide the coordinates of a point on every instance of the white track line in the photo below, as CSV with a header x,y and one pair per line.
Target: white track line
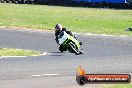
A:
x,y
43,54
41,75
11,56
107,35
36,75
50,74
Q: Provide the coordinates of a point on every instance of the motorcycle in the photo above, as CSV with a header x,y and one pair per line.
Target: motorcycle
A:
x,y
70,43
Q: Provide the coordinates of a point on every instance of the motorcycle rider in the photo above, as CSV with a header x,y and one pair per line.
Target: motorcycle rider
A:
x,y
58,30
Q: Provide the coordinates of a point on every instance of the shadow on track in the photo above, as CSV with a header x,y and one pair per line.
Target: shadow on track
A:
x,y
56,54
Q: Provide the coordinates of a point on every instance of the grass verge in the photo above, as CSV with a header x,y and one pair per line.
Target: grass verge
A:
x,y
101,21
119,86
17,52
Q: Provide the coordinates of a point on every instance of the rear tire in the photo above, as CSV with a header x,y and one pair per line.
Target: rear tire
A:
x,y
61,51
62,48
73,48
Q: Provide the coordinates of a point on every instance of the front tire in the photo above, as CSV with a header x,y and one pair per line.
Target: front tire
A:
x,y
73,48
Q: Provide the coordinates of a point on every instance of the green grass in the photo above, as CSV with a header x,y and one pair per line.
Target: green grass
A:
x,y
17,52
119,86
77,19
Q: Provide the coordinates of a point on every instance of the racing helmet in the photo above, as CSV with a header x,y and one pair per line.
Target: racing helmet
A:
x,y
58,27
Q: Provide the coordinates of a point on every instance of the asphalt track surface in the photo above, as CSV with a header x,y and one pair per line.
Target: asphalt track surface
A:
x,y
103,54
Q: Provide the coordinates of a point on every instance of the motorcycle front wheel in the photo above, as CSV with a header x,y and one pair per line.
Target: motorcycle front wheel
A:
x,y
73,48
